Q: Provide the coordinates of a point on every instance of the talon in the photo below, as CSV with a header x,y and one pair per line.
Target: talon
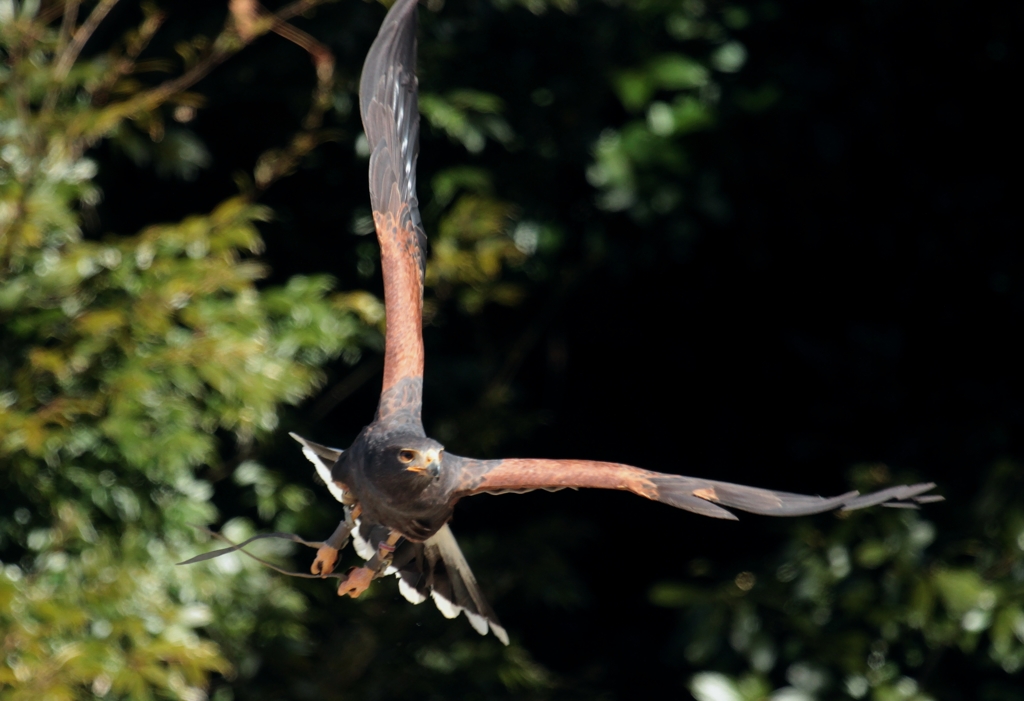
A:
x,y
325,562
357,581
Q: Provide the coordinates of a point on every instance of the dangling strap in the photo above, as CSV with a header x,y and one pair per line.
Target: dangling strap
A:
x,y
238,546
381,559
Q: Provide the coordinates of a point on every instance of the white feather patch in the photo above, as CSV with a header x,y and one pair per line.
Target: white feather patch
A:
x,y
447,608
322,468
363,549
499,633
478,622
411,594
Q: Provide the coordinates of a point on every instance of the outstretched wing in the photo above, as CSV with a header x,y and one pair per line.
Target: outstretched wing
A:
x,y
702,496
391,118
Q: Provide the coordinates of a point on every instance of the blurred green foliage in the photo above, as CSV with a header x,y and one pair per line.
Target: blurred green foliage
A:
x,y
127,364
639,166
863,609
130,364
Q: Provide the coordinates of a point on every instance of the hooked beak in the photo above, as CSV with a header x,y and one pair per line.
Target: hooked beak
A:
x,y
429,461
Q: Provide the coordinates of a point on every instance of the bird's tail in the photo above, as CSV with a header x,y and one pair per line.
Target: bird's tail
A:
x,y
438,569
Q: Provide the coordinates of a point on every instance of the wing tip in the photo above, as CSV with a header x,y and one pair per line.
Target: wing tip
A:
x,y
903,496
709,498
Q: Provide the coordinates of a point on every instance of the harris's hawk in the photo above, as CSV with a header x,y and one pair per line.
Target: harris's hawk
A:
x,y
399,486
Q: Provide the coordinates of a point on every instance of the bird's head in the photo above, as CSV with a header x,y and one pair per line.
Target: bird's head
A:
x,y
418,456
422,457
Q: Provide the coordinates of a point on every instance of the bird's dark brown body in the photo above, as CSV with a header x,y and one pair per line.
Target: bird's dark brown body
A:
x,y
417,504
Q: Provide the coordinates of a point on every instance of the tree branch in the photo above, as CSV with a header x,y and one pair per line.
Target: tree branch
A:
x,y
230,41
82,34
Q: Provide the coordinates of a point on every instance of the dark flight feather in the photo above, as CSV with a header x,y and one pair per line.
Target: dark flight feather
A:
x,y
390,112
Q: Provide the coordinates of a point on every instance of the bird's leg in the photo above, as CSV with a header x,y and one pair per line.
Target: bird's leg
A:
x,y
352,512
327,554
385,553
359,578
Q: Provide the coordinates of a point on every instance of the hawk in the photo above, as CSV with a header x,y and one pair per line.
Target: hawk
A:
x,y
399,486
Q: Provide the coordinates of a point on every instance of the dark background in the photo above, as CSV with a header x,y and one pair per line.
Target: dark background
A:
x,y
840,285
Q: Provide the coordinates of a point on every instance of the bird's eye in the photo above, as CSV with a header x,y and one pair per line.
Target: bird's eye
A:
x,y
407,456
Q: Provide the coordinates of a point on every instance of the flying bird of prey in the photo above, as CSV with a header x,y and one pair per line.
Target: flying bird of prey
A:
x,y
397,485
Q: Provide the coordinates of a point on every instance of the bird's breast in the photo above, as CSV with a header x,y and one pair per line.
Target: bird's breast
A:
x,y
416,513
